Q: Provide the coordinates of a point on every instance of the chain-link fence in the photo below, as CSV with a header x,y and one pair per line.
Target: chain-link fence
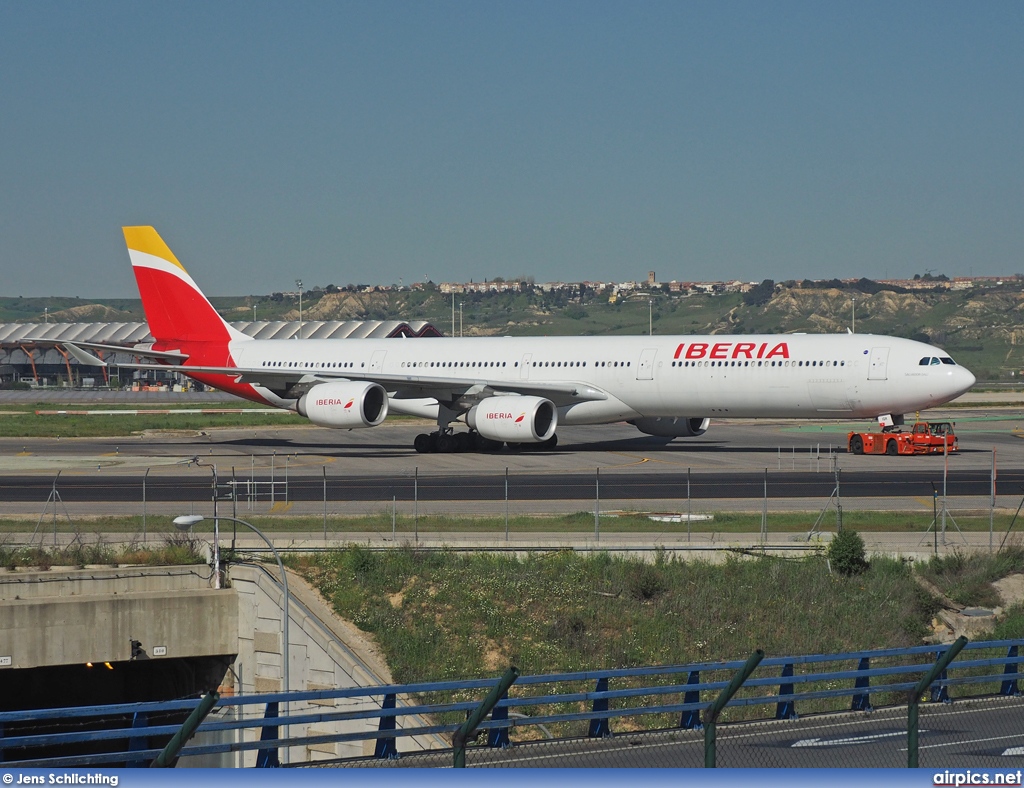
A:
x,y
685,510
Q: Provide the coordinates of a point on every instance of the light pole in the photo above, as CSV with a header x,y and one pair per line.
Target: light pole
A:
x,y
853,315
460,319
298,283
186,521
650,317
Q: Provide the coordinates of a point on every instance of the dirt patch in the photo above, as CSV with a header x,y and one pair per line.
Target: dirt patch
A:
x,y
1010,589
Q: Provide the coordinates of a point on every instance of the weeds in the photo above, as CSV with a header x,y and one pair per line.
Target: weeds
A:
x,y
967,579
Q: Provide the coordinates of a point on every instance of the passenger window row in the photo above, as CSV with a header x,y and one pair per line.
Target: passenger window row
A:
x,y
759,363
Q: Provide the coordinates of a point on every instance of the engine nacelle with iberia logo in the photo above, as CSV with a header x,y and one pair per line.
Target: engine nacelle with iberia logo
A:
x,y
344,405
514,419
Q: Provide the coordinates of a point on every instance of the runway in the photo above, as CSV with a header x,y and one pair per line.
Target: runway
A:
x,y
521,487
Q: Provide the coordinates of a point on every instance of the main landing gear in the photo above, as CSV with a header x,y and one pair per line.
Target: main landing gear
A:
x,y
449,442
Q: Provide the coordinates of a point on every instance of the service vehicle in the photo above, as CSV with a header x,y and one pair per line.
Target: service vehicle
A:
x,y
926,437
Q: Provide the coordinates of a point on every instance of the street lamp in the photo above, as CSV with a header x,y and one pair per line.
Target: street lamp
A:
x,y
298,283
186,521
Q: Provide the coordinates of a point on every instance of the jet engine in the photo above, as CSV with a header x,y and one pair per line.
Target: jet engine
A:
x,y
672,426
514,419
349,405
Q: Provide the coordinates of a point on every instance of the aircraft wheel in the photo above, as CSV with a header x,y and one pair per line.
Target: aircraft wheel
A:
x,y
550,443
514,446
463,441
486,444
857,444
892,448
446,444
423,443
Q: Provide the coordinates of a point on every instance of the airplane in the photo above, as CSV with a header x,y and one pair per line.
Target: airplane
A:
x,y
518,391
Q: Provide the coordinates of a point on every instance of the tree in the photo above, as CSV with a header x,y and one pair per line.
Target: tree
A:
x,y
846,553
760,294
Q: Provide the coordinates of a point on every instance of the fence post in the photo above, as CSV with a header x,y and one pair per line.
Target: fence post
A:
x,y
786,709
145,476
711,718
862,701
325,506
386,748
466,729
599,725
138,742
1009,686
267,758
597,506
915,695
691,719
187,730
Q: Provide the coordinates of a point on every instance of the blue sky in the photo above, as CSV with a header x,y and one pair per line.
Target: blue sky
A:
x,y
384,141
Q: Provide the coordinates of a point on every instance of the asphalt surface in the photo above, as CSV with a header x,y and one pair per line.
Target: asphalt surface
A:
x,y
965,734
521,487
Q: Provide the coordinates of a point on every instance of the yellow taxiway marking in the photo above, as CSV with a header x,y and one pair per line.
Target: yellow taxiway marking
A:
x,y
24,454
635,460
281,507
689,462
925,502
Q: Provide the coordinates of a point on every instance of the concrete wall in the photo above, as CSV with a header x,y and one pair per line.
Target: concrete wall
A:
x,y
70,617
92,615
323,652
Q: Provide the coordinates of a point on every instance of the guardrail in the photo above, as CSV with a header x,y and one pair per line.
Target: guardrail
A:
x,y
134,734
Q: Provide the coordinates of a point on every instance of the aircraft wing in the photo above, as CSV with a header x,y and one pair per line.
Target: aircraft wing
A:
x,y
406,386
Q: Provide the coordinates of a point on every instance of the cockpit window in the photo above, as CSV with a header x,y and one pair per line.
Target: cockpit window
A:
x,y
947,360
924,362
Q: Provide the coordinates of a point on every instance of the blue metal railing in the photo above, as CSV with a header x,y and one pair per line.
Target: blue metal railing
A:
x,y
38,734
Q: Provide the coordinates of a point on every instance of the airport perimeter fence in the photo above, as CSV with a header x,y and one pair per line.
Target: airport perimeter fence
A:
x,y
686,509
942,706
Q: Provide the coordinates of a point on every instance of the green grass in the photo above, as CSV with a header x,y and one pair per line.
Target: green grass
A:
x,y
443,616
173,549
23,423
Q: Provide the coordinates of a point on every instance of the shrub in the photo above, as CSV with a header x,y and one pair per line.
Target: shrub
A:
x,y
846,553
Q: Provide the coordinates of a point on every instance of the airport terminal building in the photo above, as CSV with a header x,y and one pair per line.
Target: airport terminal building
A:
x,y
28,352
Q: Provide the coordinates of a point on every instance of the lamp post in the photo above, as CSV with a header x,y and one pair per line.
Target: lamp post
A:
x,y
185,522
298,283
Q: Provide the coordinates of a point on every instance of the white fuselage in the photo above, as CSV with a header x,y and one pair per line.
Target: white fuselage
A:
x,y
720,376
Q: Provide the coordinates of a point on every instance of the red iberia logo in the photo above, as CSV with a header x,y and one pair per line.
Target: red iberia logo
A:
x,y
516,419
331,401
717,350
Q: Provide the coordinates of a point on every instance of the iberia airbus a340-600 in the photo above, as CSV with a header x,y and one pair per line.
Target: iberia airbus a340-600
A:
x,y
520,390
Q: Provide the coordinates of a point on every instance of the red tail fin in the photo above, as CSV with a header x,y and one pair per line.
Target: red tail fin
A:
x,y
176,309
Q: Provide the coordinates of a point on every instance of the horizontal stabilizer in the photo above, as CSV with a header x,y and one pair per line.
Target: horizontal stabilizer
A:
x,y
83,357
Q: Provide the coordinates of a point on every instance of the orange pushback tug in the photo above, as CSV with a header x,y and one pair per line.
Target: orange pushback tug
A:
x,y
933,437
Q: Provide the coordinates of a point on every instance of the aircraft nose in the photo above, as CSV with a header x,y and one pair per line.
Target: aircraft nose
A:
x,y
964,379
